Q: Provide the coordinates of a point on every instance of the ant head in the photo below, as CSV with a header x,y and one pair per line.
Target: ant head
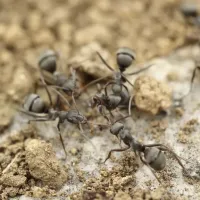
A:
x,y
125,57
47,61
76,117
155,158
116,128
34,103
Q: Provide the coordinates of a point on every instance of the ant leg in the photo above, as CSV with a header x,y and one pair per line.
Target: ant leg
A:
x,y
107,84
191,84
140,70
116,150
165,148
46,88
37,120
87,138
101,111
58,103
127,80
124,117
130,104
111,114
104,62
100,126
36,86
125,87
120,141
120,113
193,76
59,93
74,101
144,162
32,114
61,139
90,84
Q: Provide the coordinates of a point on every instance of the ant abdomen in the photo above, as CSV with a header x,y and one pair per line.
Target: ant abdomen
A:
x,y
113,102
34,103
47,61
125,57
155,158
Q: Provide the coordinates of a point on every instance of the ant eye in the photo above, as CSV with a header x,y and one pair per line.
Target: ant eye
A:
x,y
47,61
125,57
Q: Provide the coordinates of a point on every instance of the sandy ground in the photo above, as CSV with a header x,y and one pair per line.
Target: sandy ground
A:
x,y
32,160
124,174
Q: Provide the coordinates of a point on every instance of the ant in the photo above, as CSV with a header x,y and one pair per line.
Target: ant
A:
x,y
152,155
35,107
125,57
120,93
48,64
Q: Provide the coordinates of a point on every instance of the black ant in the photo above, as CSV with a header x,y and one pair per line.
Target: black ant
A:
x,y
48,65
35,107
125,57
120,93
152,155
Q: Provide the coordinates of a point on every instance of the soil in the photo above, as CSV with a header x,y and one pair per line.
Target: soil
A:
x,y
32,161
151,95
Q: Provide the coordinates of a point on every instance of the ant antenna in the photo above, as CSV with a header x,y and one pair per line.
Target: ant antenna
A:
x,y
46,88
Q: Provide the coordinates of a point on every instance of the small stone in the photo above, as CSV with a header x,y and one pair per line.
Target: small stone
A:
x,y
49,171
74,151
9,179
104,173
151,95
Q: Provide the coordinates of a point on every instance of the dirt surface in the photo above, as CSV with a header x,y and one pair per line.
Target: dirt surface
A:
x,y
32,161
25,168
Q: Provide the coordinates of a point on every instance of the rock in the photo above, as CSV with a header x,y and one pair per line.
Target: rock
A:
x,y
9,179
43,164
151,95
89,61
